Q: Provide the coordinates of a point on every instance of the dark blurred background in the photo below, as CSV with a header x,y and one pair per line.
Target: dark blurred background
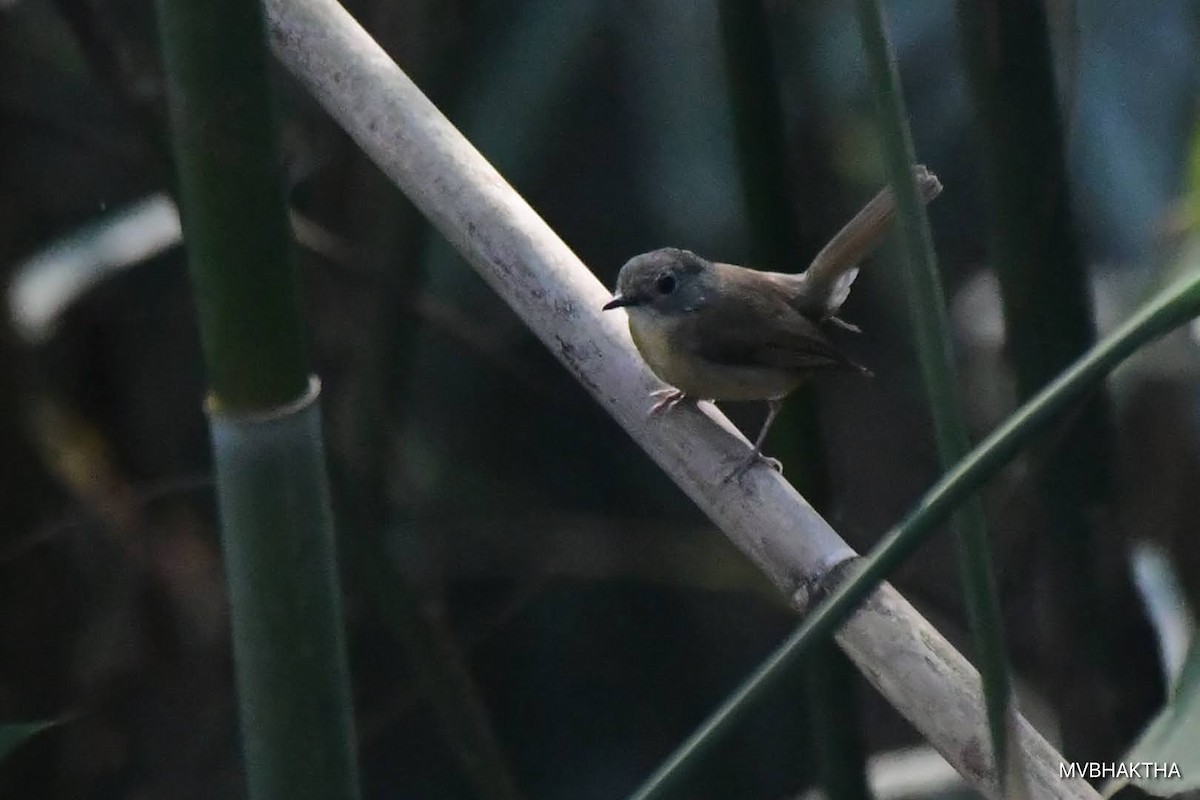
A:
x,y
516,570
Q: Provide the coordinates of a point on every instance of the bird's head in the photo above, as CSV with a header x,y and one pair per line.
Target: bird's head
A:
x,y
667,281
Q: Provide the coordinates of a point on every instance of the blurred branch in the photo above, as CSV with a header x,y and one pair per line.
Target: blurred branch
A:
x,y
835,733
384,713
441,666
368,264
586,548
105,43
535,272
1048,323
48,283
760,134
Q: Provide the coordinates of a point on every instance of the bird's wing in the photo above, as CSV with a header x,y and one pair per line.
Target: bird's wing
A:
x,y
751,323
818,297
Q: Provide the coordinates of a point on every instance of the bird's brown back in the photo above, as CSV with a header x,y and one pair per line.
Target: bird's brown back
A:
x,y
752,322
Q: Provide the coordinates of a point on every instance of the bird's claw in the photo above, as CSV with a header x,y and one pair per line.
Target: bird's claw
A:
x,y
667,399
670,397
754,457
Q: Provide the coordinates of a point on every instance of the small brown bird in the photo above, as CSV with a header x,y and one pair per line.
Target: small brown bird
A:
x,y
720,332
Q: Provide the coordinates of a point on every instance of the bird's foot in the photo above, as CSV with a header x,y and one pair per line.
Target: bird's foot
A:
x,y
754,457
667,399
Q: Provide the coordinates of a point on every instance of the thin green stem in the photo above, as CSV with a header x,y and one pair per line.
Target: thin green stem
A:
x,y
933,336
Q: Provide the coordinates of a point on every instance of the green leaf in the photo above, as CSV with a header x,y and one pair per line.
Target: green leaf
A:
x,y
1171,743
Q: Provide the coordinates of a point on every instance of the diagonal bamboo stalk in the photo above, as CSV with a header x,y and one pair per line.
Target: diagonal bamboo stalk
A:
x,y
556,295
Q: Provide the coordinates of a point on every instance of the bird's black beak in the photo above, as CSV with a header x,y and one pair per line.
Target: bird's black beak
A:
x,y
620,300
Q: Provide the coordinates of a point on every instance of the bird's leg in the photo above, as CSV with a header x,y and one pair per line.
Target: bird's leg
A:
x,y
667,399
756,454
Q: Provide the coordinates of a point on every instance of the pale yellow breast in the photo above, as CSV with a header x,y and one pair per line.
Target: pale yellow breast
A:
x,y
657,339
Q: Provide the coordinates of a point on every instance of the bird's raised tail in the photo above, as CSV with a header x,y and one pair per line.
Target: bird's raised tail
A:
x,y
825,285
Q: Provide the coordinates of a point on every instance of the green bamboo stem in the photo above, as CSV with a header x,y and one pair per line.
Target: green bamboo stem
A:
x,y
289,657
272,491
232,203
933,337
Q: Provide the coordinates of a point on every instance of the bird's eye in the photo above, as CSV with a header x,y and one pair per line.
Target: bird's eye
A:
x,y
665,284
